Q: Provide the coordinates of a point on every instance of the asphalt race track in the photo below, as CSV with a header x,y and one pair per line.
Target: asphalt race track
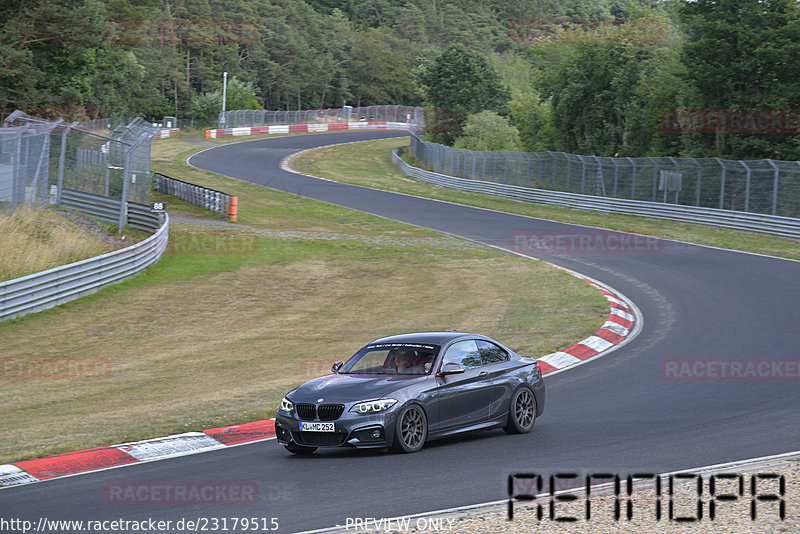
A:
x,y
620,413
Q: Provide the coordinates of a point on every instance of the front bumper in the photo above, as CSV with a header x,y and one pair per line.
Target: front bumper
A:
x,y
372,431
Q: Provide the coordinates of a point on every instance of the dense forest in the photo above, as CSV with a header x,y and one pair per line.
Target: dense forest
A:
x,y
605,77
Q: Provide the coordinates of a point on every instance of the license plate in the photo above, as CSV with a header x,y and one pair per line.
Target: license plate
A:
x,y
316,427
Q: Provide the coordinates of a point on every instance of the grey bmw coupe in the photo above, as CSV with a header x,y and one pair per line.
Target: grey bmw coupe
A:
x,y
400,391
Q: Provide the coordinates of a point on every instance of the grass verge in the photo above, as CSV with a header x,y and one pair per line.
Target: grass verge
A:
x,y
234,315
34,240
374,158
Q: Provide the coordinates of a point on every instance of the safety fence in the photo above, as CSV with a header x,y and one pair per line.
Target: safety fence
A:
x,y
737,220
343,115
52,287
754,186
40,159
210,199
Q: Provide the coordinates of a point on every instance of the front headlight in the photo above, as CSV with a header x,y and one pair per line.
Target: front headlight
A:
x,y
373,406
287,405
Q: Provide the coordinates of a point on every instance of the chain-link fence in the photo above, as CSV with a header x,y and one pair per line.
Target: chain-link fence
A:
x,y
40,160
255,117
756,186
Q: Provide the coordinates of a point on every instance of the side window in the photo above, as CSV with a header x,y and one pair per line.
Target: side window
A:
x,y
491,353
464,352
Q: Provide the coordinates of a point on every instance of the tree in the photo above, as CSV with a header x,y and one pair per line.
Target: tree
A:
x,y
609,90
462,83
380,70
239,95
488,131
743,56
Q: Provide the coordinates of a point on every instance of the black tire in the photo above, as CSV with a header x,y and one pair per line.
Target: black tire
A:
x,y
411,429
294,448
521,412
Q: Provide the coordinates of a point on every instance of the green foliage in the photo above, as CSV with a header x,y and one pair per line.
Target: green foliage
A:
x,y
488,131
534,122
743,56
462,83
380,70
205,108
588,76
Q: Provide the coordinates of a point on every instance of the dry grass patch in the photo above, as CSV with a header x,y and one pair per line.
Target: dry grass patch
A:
x,y
34,240
224,347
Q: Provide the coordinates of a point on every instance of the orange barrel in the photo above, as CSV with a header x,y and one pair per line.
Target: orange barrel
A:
x,y
234,207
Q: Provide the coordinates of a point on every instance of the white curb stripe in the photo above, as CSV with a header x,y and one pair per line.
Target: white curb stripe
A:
x,y
620,313
616,328
597,343
169,445
11,475
615,300
559,359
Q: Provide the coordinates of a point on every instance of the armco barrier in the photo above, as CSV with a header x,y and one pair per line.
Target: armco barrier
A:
x,y
210,199
293,128
736,220
52,287
107,209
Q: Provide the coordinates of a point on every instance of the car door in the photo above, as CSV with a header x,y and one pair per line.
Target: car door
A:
x,y
496,364
463,399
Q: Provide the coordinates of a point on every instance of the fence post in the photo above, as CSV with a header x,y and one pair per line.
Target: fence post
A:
x,y
746,186
583,174
633,177
655,175
699,181
774,187
123,205
616,175
722,184
61,162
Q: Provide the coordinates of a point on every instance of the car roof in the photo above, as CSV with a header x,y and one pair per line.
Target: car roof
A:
x,y
431,338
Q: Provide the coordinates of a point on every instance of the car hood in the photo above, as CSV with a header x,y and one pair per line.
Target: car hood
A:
x,y
344,388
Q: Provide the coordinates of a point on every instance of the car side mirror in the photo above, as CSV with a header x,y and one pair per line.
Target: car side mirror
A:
x,y
451,368
336,366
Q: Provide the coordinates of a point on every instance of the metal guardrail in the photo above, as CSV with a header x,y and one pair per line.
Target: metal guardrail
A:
x,y
210,199
39,291
737,220
107,209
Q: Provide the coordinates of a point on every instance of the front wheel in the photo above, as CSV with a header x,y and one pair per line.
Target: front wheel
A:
x,y
411,430
521,412
294,448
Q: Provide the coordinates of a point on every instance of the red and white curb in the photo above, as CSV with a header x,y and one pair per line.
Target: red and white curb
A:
x,y
297,128
73,463
618,327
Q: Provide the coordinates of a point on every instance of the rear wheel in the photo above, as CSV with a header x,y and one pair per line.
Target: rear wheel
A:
x,y
521,412
411,429
294,448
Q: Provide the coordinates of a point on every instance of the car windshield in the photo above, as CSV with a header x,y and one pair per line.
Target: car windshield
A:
x,y
392,359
